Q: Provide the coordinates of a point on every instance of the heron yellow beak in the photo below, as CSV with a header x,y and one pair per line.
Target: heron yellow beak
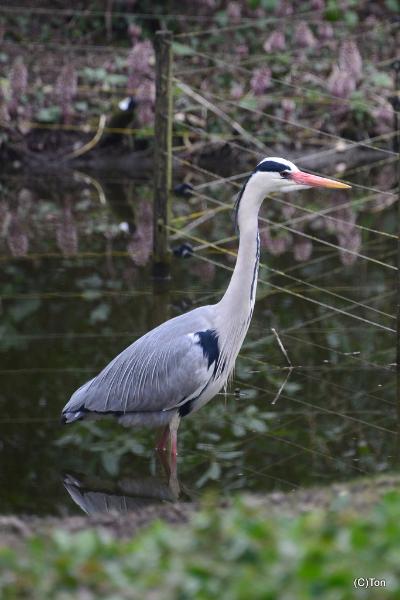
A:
x,y
315,181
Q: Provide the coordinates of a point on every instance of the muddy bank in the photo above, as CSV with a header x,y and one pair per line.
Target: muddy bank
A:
x,y
355,496
221,159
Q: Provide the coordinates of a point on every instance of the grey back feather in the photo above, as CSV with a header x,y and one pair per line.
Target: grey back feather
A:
x,y
154,373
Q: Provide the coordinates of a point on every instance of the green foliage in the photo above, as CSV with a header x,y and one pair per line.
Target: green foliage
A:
x,y
226,554
381,79
81,106
100,75
22,309
335,11
50,114
106,440
269,5
94,75
181,49
100,313
393,5
113,447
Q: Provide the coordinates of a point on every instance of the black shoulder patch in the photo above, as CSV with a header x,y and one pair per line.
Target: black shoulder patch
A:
x,y
186,408
272,166
208,340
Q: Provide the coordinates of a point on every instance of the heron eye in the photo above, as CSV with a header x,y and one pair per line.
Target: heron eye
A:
x,y
285,174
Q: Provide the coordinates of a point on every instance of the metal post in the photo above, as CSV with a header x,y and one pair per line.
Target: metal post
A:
x,y
162,153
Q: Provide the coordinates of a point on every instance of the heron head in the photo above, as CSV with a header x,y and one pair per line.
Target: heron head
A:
x,y
274,174
281,175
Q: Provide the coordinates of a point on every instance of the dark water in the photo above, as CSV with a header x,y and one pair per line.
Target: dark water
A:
x,y
76,288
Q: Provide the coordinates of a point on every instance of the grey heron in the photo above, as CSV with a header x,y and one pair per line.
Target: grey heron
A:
x,y
176,368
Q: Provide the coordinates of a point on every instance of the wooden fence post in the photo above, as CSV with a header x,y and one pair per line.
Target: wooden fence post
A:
x,y
162,153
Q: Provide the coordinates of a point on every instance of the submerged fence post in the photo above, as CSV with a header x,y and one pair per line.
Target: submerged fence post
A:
x,y
162,153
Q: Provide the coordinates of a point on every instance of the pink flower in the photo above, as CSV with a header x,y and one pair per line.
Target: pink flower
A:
x,y
141,243
18,83
302,249
145,95
18,77
206,3
145,113
66,231
4,215
259,12
141,80
134,31
140,64
4,113
242,50
284,8
383,116
275,245
288,211
275,42
204,270
350,59
17,238
343,220
386,180
237,91
146,92
341,83
260,80
66,88
351,241
234,12
205,85
25,199
303,36
325,32
288,107
318,4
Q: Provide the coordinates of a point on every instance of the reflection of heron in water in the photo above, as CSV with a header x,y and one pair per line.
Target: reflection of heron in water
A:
x,y
180,365
94,494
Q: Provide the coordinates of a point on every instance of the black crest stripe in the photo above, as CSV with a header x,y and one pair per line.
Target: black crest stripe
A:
x,y
272,165
237,204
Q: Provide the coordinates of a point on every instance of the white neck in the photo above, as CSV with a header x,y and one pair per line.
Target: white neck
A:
x,y
236,307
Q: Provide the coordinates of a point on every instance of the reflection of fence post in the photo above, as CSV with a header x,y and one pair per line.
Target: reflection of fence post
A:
x,y
162,152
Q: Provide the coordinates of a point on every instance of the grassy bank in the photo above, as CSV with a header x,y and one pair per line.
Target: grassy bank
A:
x,y
230,553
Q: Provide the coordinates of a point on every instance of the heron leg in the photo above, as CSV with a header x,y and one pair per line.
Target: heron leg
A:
x,y
173,432
163,440
170,469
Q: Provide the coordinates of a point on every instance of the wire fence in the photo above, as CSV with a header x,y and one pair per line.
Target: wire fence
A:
x,y
209,97
349,307
224,114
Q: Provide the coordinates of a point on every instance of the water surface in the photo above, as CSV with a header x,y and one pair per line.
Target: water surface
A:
x,y
76,288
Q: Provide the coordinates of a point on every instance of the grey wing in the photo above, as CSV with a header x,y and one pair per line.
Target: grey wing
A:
x,y
164,368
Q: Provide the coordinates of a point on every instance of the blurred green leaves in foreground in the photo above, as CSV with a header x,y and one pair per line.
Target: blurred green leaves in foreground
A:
x,y
226,554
